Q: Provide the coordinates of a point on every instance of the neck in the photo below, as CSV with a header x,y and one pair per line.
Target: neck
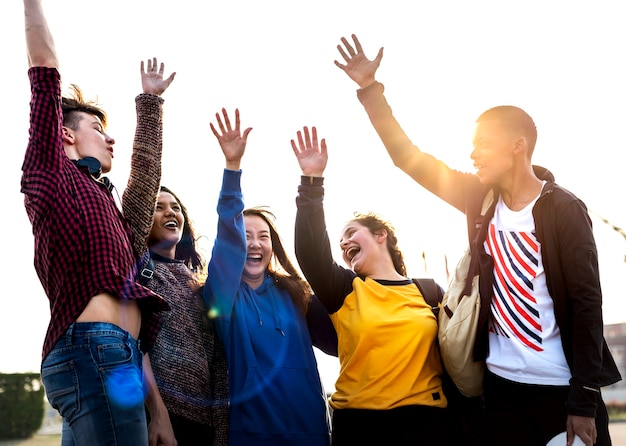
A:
x,y
253,282
520,190
386,273
168,253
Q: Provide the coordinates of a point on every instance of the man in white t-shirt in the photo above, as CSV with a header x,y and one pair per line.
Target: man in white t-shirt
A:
x,y
541,323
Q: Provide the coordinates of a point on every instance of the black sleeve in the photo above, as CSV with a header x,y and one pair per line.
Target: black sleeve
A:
x,y
321,328
329,281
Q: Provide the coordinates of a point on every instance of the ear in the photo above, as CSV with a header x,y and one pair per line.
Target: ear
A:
x,y
68,136
381,236
520,145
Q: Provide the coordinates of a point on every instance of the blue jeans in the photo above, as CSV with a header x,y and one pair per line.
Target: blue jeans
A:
x,y
94,377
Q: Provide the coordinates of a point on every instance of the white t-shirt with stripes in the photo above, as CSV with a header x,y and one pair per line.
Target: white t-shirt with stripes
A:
x,y
524,339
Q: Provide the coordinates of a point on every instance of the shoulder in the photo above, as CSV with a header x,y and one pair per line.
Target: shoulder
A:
x,y
560,197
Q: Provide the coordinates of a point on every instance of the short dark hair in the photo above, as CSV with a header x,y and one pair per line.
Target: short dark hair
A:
x,y
375,224
515,119
75,103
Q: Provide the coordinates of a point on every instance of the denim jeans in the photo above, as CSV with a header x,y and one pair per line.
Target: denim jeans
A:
x,y
94,377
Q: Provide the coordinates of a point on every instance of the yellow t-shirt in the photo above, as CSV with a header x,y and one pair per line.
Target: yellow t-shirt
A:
x,y
387,351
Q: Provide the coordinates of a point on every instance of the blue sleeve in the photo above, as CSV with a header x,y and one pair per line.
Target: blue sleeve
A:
x,y
229,251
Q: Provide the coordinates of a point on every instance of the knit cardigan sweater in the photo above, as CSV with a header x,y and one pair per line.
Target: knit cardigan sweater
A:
x,y
188,362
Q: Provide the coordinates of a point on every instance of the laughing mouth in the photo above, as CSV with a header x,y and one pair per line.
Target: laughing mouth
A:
x,y
257,258
351,252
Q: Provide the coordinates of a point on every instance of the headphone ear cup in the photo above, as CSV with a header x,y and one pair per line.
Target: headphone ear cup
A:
x,y
92,165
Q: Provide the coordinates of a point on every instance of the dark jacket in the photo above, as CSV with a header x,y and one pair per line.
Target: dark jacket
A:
x,y
568,249
570,261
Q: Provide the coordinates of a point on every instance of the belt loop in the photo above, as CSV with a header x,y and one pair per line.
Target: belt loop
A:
x,y
69,335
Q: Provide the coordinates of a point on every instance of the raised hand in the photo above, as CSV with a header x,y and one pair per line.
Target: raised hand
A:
x,y
360,69
311,156
152,80
232,142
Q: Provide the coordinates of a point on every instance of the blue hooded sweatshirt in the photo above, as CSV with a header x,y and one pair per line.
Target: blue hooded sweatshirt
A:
x,y
276,395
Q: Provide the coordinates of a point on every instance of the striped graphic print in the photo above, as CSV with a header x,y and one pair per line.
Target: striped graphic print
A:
x,y
513,307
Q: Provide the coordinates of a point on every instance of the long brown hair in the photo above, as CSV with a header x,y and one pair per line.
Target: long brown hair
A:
x,y
281,268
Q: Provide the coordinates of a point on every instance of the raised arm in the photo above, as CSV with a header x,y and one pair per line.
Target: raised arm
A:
x,y
431,173
229,251
139,198
329,281
39,42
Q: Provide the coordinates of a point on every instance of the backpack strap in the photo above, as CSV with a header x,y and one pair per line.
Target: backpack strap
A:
x,y
146,273
433,294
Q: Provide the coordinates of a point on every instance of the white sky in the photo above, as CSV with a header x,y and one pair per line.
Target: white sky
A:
x,y
445,62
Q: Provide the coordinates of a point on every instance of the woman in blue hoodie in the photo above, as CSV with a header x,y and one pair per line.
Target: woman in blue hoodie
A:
x,y
267,320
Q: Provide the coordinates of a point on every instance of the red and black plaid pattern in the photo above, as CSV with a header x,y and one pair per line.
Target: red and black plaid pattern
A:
x,y
82,242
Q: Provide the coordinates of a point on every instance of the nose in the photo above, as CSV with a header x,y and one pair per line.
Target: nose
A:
x,y
343,243
169,211
109,139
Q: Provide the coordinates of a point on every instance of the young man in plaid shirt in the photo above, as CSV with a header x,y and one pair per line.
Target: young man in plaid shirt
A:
x,y
101,319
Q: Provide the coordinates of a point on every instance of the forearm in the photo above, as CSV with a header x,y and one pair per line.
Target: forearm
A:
x,y
39,42
139,198
431,173
229,251
154,402
330,282
580,270
403,153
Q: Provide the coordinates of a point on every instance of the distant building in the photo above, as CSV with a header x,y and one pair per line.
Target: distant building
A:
x,y
615,335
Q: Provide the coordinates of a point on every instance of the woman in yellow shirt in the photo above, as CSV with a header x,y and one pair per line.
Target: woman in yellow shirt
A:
x,y
389,389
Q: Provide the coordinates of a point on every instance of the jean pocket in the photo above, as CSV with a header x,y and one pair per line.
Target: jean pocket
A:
x,y
61,385
113,354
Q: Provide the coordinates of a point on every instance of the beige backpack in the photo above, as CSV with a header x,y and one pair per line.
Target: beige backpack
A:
x,y
458,321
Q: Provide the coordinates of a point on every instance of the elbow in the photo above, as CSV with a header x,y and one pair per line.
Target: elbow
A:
x,y
42,61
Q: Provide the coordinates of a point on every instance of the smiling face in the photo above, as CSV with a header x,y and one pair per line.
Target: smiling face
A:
x,y
167,226
259,250
360,248
88,138
494,151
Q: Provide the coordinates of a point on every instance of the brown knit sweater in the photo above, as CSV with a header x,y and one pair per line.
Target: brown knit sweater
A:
x,y
188,362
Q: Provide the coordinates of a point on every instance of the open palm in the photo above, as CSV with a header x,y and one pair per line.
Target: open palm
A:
x,y
358,67
312,156
232,141
152,81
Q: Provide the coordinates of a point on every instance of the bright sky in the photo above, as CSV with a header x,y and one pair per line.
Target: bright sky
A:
x,y
445,62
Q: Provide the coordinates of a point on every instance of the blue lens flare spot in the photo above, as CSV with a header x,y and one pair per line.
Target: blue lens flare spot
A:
x,y
124,386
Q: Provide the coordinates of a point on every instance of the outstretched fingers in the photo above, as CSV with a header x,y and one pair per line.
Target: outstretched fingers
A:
x,y
357,44
152,79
